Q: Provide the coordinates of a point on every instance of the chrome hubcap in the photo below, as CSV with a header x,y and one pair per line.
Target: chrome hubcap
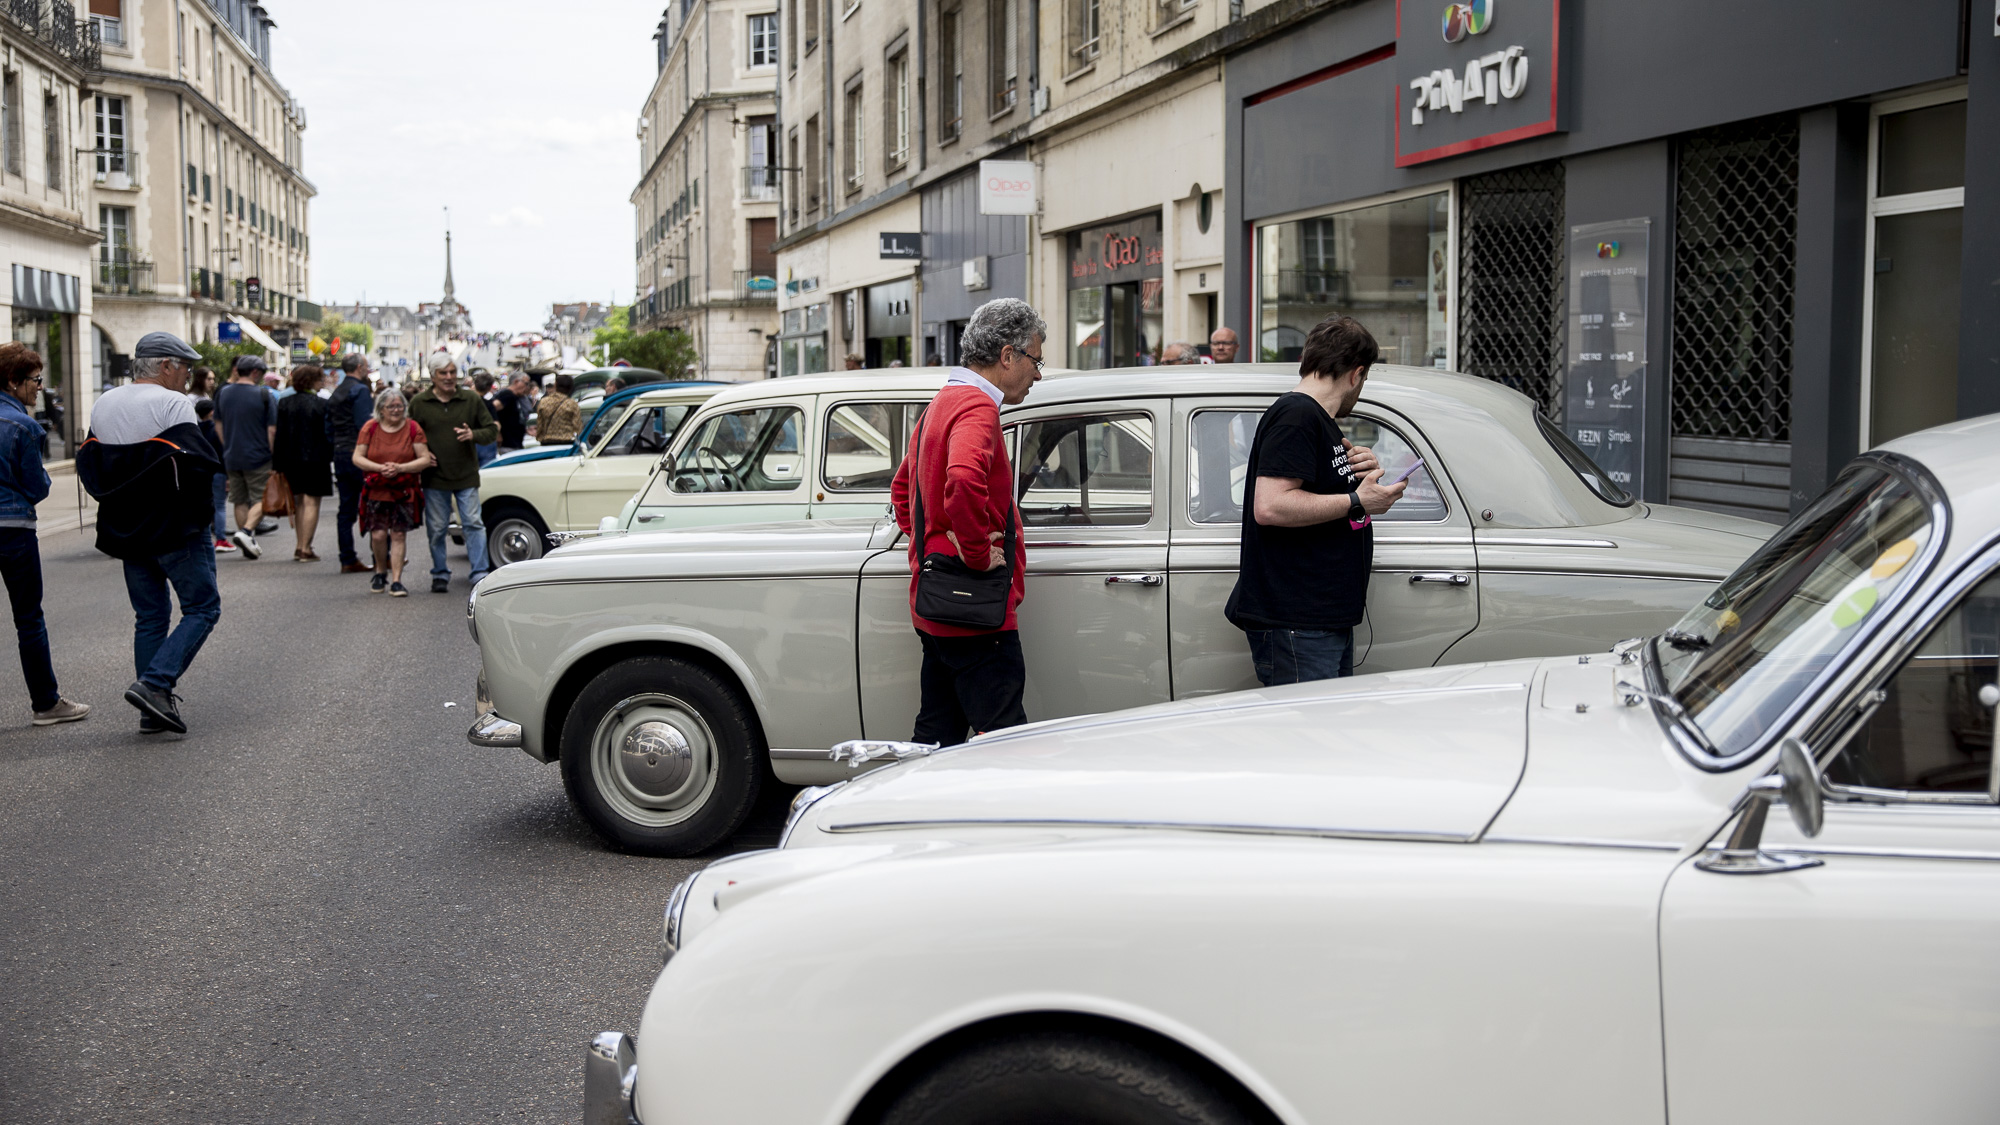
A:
x,y
515,541
653,759
656,759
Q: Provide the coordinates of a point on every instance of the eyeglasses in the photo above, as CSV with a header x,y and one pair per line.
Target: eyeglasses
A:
x,y
1035,359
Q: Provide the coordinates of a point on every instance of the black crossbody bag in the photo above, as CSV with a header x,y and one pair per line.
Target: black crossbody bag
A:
x,y
950,592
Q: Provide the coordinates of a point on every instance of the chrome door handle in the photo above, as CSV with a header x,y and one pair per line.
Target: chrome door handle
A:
x,y
650,519
1135,579
1448,578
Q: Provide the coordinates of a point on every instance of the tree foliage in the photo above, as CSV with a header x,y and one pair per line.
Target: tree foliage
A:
x,y
221,358
351,334
667,349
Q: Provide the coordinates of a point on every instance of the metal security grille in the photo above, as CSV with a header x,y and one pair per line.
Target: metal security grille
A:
x,y
1513,322
1735,248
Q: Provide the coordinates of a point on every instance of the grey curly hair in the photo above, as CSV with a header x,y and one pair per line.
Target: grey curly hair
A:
x,y
390,395
997,324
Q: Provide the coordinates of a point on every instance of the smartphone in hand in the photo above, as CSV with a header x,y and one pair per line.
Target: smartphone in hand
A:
x,y
1408,471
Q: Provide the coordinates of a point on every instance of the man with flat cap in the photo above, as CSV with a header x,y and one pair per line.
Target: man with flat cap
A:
x,y
150,469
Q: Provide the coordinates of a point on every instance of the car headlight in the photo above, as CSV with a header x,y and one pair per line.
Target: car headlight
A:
x,y
670,926
807,797
472,617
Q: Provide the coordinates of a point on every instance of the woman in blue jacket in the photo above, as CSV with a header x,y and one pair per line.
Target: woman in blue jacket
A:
x,y
23,483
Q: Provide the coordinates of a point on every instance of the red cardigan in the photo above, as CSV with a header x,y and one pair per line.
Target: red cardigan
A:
x,y
968,488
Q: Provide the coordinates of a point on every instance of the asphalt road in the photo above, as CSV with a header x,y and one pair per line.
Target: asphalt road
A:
x,y
321,904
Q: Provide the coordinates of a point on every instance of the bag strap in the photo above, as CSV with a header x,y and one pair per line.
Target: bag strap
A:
x,y
917,496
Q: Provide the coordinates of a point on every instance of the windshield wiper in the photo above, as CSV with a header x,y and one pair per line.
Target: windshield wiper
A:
x,y
1685,641
1632,695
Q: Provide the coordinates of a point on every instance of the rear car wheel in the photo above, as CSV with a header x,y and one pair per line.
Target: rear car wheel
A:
x,y
1071,1077
661,756
514,533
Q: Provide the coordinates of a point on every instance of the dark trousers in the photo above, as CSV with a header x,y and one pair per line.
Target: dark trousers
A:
x,y
21,567
347,480
1294,656
970,683
162,657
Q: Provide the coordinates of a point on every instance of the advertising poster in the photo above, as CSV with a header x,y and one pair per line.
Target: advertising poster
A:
x,y
1604,391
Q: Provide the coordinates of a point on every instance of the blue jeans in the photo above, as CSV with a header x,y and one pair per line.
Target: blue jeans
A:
x,y
161,658
437,514
1294,656
221,505
21,568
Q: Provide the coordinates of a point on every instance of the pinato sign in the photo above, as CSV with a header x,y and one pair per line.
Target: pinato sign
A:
x,y
1472,74
1008,187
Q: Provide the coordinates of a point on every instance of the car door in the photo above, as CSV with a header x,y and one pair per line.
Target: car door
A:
x,y
862,441
1867,988
1423,591
1091,491
739,464
606,478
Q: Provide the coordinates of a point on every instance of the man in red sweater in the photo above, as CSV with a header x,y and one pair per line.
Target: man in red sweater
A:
x,y
972,679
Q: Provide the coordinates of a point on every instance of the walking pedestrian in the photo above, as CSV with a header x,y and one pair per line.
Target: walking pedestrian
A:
x,y
201,384
246,415
482,385
457,421
1222,344
23,484
391,450
510,411
204,413
558,417
154,508
303,454
953,496
347,410
1308,523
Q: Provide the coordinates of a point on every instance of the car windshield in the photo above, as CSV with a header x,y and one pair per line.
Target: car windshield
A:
x,y
1608,488
601,423
1738,660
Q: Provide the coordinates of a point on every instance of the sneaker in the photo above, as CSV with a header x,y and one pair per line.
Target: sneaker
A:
x,y
440,585
150,725
63,712
356,567
267,525
378,583
397,590
224,547
159,704
248,542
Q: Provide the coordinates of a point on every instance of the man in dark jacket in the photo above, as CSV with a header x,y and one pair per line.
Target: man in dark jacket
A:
x,y
347,410
455,422
150,469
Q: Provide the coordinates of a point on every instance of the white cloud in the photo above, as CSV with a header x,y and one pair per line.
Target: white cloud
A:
x,y
516,216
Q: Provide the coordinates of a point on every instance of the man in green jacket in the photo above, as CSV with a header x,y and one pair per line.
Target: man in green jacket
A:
x,y
455,423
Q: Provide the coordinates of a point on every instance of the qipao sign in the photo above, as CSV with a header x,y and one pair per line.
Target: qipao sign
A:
x,y
1107,255
1475,73
1604,391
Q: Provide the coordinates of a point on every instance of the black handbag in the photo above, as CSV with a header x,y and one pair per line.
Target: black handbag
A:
x,y
950,592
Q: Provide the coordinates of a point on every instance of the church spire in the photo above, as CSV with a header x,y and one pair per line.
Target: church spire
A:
x,y
448,295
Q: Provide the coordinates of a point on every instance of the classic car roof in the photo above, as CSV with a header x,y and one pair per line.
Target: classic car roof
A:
x,y
1964,456
836,382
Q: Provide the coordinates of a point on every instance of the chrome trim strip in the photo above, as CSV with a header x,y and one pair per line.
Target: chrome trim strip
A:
x,y
795,755
603,580
1094,543
1584,842
1156,825
1706,580
1382,539
1526,541
1892,853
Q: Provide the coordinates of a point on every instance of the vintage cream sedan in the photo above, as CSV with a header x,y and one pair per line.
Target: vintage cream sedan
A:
x,y
1537,891
665,670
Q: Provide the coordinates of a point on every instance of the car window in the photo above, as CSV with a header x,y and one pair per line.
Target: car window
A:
x,y
1219,456
647,430
754,450
1609,487
1092,471
1931,733
865,443
601,423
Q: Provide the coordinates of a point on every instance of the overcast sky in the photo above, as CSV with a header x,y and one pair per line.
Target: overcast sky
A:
x,y
518,116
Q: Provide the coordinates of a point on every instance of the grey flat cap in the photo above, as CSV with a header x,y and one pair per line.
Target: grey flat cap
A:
x,y
156,345
247,363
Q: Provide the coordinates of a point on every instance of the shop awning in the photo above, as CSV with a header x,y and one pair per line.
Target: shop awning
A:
x,y
255,333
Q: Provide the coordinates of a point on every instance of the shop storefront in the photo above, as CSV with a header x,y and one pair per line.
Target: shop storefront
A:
x,y
969,259
1116,281
886,324
1728,244
45,316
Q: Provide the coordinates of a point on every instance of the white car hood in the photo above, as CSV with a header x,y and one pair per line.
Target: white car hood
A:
x,y
1426,754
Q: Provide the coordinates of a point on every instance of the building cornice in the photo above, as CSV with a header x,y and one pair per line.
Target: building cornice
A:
x,y
43,223
706,101
187,90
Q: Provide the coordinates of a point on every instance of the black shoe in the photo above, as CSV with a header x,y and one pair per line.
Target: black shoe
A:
x,y
159,704
398,590
149,725
378,583
440,585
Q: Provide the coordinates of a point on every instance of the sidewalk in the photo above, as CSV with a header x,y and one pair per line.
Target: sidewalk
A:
x,y
68,507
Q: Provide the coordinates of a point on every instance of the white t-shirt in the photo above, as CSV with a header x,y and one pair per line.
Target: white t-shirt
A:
x,y
138,411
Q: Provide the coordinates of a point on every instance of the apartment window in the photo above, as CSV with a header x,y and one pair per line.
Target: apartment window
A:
x,y
764,40
812,166
760,179
896,107
110,135
10,119
52,149
792,40
114,233
792,179
1002,60
104,17
951,77
1082,40
850,125
1167,11
810,9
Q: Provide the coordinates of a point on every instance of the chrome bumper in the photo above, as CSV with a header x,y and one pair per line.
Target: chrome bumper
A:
x,y
610,1069
492,730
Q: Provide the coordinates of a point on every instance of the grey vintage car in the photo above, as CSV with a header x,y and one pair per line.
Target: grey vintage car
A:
x,y
669,671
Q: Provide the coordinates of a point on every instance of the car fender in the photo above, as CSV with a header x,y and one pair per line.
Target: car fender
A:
x,y
588,645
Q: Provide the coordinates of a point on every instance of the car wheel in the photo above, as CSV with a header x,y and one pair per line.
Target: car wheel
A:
x,y
1071,1077
514,533
661,756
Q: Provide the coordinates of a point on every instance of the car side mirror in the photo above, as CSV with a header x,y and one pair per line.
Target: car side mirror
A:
x,y
1797,783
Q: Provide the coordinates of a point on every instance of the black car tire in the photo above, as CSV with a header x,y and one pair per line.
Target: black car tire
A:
x,y
1072,1077
662,756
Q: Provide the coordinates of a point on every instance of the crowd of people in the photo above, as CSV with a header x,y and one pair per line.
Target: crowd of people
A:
x,y
173,458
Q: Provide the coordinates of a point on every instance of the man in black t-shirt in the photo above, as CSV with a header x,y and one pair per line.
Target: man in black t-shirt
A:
x,y
511,411
1308,539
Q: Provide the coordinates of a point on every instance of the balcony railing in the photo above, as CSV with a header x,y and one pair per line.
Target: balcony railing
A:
x,y
116,168
116,276
54,23
752,285
760,184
